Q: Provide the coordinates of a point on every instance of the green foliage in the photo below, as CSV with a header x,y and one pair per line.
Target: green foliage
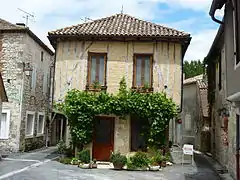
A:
x,y
61,147
118,159
193,68
155,109
138,160
65,160
84,156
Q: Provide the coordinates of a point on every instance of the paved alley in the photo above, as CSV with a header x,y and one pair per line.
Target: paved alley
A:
x,y
51,170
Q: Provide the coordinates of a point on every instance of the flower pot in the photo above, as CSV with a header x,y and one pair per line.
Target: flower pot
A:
x,y
118,166
164,164
154,168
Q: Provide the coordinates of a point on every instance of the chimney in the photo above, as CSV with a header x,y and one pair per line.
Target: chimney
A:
x,y
20,24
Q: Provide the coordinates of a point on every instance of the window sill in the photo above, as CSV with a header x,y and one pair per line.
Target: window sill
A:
x,y
29,136
90,88
142,90
237,66
40,134
3,139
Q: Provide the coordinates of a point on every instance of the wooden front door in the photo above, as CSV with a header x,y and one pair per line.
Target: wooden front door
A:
x,y
103,139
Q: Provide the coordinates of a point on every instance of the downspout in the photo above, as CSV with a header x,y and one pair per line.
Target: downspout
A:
x,y
236,39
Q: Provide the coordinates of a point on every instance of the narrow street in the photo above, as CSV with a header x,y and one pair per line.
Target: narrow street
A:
x,y
38,166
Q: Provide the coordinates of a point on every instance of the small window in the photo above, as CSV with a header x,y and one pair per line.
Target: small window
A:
x,y
30,123
42,53
4,124
40,123
97,63
142,70
33,80
45,82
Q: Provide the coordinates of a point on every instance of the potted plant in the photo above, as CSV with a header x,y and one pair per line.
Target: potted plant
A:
x,y
164,161
94,163
118,160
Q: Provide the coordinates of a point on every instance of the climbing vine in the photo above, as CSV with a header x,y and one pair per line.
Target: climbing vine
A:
x,y
81,107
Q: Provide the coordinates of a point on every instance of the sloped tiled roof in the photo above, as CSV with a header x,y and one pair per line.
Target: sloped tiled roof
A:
x,y
193,79
122,25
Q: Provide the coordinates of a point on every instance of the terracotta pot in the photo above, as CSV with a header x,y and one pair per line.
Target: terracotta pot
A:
x,y
164,164
118,166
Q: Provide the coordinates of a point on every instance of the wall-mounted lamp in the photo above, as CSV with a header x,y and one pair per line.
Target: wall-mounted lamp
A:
x,y
27,68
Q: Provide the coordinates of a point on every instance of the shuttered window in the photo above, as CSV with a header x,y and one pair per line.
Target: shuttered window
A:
x,y
97,63
142,70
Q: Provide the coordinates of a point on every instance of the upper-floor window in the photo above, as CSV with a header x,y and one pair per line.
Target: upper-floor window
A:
x,y
97,64
42,56
33,80
142,70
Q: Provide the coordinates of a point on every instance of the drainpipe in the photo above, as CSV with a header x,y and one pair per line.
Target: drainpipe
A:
x,y
236,40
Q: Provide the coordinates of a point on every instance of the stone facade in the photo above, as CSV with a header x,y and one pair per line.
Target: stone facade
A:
x,y
223,136
19,49
71,72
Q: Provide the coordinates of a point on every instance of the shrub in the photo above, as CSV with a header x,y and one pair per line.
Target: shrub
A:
x,y
84,156
118,159
61,147
65,160
139,160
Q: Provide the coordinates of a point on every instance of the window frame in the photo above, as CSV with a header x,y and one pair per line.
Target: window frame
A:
x,y
33,81
41,114
90,54
8,115
33,124
42,56
45,82
135,69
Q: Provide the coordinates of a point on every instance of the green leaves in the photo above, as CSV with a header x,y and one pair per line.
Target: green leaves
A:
x,y
81,107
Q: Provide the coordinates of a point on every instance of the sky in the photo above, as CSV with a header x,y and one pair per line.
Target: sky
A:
x,y
191,16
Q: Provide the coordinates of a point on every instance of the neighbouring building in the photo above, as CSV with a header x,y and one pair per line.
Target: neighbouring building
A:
x,y
194,127
224,88
27,68
3,114
107,49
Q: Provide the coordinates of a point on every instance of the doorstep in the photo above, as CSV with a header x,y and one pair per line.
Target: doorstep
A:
x,y
104,165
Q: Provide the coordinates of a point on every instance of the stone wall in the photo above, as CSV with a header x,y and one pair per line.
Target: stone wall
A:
x,y
223,142
12,54
16,49
190,114
122,135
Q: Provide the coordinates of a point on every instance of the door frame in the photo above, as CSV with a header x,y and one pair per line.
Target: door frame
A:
x,y
109,118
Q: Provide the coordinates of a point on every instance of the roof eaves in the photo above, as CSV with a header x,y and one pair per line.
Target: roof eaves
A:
x,y
215,44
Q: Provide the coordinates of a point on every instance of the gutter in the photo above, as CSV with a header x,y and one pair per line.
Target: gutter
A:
x,y
216,4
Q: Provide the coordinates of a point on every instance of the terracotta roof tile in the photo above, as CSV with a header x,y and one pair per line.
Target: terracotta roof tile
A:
x,y
120,25
193,79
